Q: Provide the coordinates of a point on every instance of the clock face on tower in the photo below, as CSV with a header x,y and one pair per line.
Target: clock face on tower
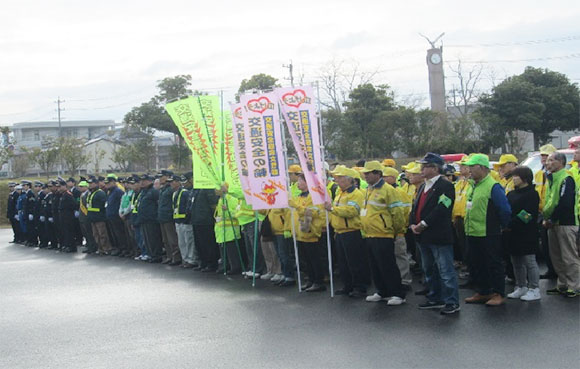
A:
x,y
435,58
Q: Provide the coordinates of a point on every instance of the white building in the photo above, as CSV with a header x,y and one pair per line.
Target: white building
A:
x,y
32,134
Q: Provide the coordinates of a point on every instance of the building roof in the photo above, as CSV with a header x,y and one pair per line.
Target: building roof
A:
x,y
64,124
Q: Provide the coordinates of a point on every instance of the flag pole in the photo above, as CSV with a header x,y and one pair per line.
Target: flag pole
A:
x,y
255,248
328,244
285,151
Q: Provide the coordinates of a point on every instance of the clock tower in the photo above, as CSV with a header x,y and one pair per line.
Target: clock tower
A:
x,y
436,79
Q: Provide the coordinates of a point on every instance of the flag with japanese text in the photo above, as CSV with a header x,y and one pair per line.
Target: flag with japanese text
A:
x,y
240,147
265,155
299,111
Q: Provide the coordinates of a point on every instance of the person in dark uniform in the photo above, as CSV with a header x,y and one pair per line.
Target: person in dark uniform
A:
x,y
202,206
114,221
28,212
148,208
39,217
134,180
55,214
11,212
166,221
66,208
20,203
71,184
49,224
96,202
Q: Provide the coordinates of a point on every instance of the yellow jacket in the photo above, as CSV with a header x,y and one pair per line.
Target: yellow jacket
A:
x,y
407,203
382,212
279,220
508,184
409,190
541,181
495,175
345,214
459,207
300,204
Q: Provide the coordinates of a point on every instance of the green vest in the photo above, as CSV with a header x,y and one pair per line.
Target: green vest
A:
x,y
478,196
553,194
175,204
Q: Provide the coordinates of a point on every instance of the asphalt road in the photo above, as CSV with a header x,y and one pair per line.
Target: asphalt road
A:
x,y
77,311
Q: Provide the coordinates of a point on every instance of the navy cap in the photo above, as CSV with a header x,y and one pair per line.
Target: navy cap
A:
x,y
38,184
62,182
147,177
432,158
188,175
26,182
93,179
71,179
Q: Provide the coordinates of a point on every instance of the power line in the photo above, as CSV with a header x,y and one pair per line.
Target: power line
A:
x,y
515,43
569,56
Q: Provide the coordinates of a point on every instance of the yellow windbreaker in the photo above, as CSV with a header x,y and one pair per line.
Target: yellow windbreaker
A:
x,y
279,220
300,204
459,207
407,201
382,213
345,214
541,181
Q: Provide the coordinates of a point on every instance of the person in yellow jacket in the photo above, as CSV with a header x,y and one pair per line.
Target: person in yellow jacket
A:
x,y
506,165
458,213
293,172
227,231
380,219
345,219
308,221
390,176
359,181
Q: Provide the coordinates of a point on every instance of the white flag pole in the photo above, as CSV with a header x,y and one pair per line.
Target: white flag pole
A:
x,y
328,244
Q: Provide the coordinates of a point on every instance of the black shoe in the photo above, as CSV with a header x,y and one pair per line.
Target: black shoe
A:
x,y
115,253
407,287
342,292
549,276
422,292
450,309
555,291
13,241
431,305
357,294
155,261
316,287
571,293
287,283
197,268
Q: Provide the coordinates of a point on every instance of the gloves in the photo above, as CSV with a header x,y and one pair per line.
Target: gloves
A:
x,y
42,218
77,213
51,220
287,234
30,217
16,217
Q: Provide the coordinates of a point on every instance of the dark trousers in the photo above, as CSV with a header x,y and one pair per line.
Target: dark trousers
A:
x,y
153,241
545,253
232,257
78,233
31,234
68,232
131,237
459,239
486,257
206,245
385,272
119,240
309,253
41,231
16,229
352,261
87,230
51,234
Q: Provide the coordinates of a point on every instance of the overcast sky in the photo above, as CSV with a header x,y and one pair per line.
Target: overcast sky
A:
x,y
104,57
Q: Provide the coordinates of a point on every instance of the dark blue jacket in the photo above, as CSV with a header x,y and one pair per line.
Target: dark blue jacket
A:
x,y
148,204
165,209
114,202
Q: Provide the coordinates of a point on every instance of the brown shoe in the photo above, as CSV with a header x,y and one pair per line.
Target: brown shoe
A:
x,y
496,300
478,299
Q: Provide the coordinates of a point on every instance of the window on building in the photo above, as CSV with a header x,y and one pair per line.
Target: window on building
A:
x,y
36,135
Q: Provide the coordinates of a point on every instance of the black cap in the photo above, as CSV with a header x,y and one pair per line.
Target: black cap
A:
x,y
188,175
449,170
432,158
81,178
101,178
147,176
166,173
93,179
38,184
62,182
52,182
26,182
71,179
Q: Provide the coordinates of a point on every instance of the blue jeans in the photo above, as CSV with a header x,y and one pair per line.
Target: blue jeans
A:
x,y
139,240
285,251
440,274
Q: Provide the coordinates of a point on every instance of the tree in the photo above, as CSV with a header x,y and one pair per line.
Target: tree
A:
x,y
20,165
465,93
45,158
537,101
260,82
71,153
121,156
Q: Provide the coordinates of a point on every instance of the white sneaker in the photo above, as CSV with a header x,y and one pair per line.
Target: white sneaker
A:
x,y
277,278
137,257
266,276
532,295
395,300
376,298
250,274
518,292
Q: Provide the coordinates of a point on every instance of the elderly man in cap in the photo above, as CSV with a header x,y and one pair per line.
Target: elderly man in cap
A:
x,y
179,203
430,221
11,212
487,213
114,221
506,165
380,218
561,219
166,221
148,218
541,181
350,248
96,201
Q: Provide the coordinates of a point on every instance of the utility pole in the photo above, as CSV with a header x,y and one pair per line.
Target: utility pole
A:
x,y
290,70
58,111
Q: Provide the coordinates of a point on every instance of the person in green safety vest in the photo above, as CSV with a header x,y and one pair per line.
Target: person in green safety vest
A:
x,y
227,231
487,213
96,213
179,203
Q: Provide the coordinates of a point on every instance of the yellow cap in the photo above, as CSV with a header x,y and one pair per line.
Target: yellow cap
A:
x,y
389,163
390,172
547,149
371,166
413,168
294,168
358,169
337,169
504,159
347,172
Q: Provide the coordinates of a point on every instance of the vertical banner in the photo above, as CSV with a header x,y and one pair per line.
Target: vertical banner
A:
x,y
266,166
232,176
187,117
299,111
241,154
